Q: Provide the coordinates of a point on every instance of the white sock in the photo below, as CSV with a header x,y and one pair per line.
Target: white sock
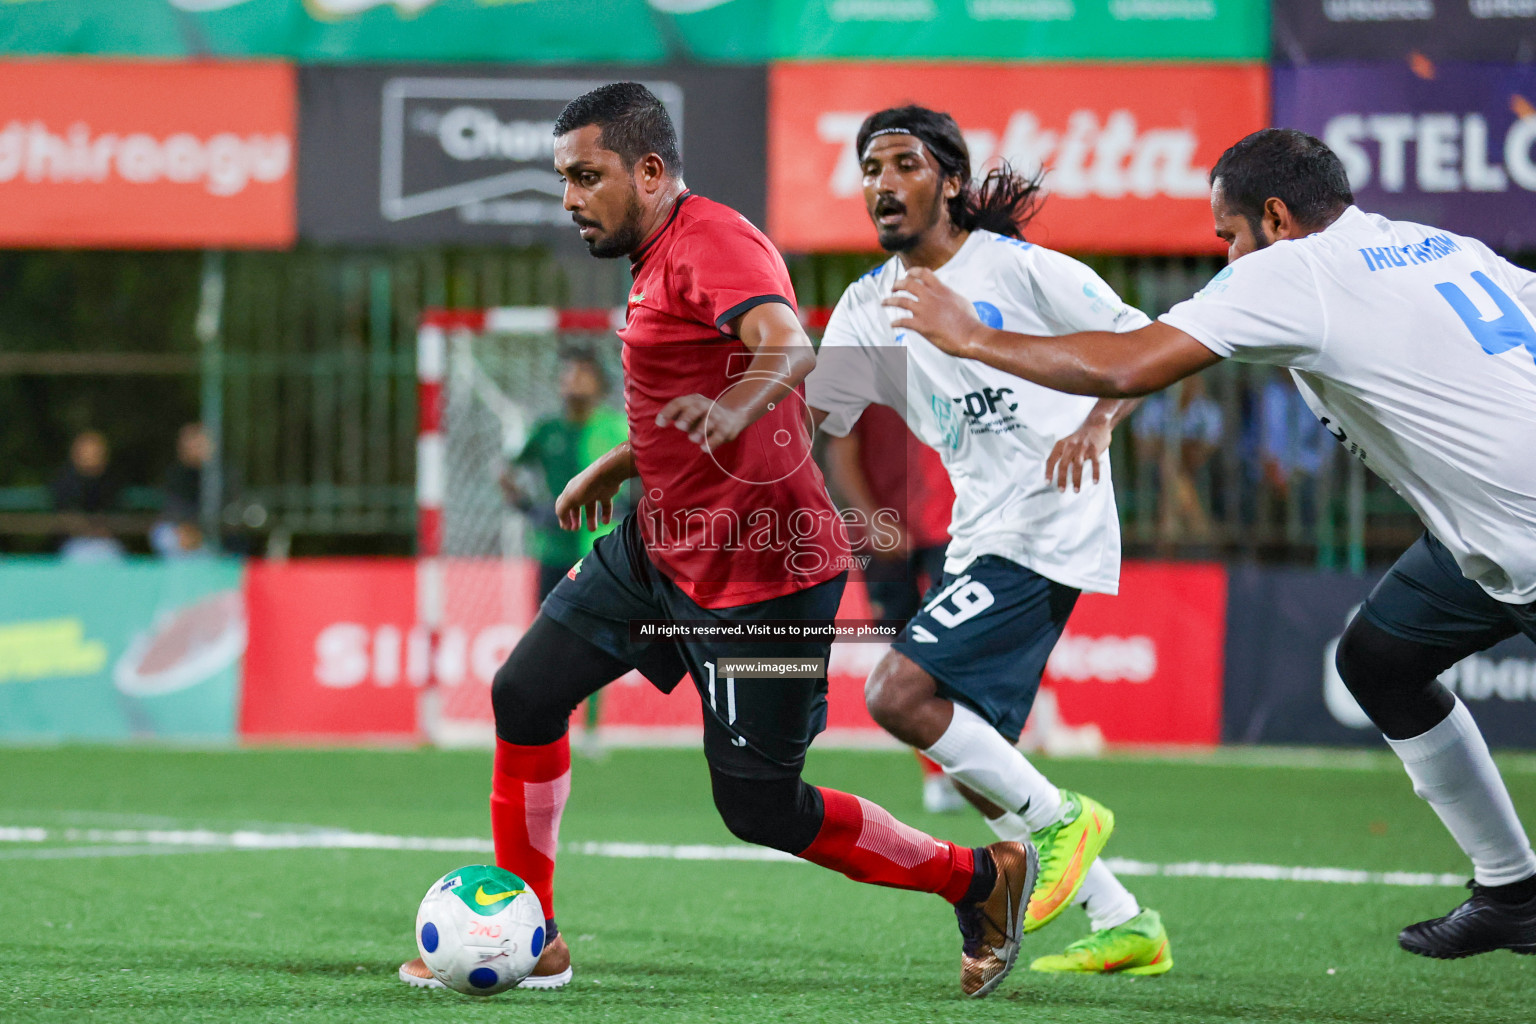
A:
x,y
1107,902
1010,828
1452,770
977,756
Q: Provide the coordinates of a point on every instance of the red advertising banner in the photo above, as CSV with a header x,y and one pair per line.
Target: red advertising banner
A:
x,y
335,651
1127,147
147,154
332,650
1145,667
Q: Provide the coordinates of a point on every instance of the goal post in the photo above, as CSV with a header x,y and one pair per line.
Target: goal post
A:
x,y
485,378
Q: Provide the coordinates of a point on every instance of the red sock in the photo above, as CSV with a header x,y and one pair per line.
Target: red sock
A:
x,y
864,842
929,767
529,788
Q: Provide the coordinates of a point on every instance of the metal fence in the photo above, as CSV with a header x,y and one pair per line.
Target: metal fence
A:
x,y
306,364
1231,463
316,380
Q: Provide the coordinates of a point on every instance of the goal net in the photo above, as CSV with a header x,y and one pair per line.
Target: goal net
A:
x,y
485,379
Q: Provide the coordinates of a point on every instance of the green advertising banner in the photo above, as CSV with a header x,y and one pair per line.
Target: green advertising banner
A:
x,y
1035,29
543,31
127,650
639,31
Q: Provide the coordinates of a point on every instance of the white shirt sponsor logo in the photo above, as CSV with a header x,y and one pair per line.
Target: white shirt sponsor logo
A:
x,y
993,431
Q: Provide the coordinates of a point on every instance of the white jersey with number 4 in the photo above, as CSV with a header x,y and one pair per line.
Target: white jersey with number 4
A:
x,y
993,430
1417,349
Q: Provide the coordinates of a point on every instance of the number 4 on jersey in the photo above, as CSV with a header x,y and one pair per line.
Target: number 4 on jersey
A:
x,y
1512,328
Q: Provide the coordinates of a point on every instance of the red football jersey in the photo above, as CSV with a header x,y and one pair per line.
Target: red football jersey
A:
x,y
906,475
752,520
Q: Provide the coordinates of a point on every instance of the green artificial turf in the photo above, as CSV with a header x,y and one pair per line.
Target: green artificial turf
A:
x,y
114,932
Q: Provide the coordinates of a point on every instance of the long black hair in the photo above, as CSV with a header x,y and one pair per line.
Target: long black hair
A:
x,y
1003,201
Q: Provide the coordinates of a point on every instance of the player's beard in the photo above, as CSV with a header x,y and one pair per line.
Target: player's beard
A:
x,y
1260,239
893,241
625,238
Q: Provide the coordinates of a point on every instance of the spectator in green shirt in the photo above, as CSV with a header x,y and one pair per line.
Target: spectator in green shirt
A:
x,y
558,448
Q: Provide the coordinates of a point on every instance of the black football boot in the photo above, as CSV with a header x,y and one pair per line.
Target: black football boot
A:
x,y
1480,925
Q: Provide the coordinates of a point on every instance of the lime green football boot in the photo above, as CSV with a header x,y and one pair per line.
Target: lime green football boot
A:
x,y
1067,849
1140,946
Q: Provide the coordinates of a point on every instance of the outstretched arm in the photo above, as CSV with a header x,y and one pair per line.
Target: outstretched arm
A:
x,y
1099,363
781,357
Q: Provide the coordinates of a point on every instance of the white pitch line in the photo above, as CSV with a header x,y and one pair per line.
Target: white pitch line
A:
x,y
98,852
659,851
23,835
128,841
1279,873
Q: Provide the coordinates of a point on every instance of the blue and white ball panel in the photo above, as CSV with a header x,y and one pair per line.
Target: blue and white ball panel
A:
x,y
480,930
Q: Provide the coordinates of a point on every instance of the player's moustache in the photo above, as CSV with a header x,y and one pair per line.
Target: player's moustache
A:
x,y
584,222
889,204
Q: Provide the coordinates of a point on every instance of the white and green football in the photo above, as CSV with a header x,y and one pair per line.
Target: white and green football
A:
x,y
480,930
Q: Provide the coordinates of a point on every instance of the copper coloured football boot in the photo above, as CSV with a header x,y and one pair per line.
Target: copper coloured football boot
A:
x,y
990,929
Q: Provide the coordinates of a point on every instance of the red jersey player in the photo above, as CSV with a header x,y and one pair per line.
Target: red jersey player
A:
x,y
734,527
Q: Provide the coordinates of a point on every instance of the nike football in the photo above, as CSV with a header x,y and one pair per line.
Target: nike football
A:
x,y
480,930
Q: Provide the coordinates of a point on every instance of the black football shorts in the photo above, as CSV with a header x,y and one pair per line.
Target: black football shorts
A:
x,y
753,727
1425,598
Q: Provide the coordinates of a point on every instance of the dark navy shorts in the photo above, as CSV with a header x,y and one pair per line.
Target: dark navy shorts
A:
x,y
985,634
753,728
896,585
1425,599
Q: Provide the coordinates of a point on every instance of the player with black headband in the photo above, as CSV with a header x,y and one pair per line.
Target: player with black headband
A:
x,y
1416,348
1029,533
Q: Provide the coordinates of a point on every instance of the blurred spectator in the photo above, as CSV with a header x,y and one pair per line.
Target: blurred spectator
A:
x,y
84,489
1194,422
178,533
879,466
1293,448
559,447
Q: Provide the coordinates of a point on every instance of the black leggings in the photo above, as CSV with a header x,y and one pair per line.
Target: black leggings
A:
x,y
1394,680
552,669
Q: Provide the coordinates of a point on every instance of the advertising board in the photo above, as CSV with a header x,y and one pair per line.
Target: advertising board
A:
x,y
133,650
1127,149
411,154
1492,31
1452,145
544,31
146,154
1282,686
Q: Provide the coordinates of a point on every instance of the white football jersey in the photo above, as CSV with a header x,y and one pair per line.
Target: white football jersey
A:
x,y
993,430
1417,350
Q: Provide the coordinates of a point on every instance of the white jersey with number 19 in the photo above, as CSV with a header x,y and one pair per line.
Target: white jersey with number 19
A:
x,y
1417,349
993,430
